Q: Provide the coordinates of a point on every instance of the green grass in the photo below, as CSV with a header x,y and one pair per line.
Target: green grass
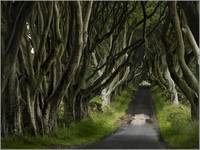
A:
x,y
175,123
88,130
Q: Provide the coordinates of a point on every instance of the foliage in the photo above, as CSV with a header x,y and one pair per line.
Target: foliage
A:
x,y
61,110
56,52
88,130
175,123
95,103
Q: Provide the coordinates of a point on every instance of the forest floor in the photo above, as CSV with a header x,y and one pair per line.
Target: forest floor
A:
x,y
130,122
140,128
91,129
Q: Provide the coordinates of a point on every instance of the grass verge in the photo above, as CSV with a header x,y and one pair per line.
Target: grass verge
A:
x,y
175,123
88,130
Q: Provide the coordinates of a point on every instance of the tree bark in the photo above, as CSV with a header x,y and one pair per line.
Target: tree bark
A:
x,y
171,85
10,53
189,77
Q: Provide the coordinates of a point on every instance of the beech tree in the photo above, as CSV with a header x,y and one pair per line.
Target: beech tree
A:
x,y
180,53
68,52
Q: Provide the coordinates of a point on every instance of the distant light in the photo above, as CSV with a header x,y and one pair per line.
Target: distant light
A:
x,y
140,119
32,51
145,83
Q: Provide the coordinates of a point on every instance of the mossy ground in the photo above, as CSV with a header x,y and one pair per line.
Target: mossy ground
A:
x,y
88,130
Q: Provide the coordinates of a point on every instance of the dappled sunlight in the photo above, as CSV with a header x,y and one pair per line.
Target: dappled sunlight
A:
x,y
139,119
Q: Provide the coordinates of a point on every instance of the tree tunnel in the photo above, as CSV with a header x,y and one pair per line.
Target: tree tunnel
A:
x,y
69,51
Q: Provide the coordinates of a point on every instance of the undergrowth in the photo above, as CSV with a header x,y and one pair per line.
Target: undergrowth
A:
x,y
176,126
86,131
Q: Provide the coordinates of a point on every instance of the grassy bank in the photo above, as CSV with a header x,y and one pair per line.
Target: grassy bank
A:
x,y
88,130
175,123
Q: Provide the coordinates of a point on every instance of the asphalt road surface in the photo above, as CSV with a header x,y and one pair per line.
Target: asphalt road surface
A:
x,y
141,133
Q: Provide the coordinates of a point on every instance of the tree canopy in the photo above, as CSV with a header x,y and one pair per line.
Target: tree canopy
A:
x,y
69,51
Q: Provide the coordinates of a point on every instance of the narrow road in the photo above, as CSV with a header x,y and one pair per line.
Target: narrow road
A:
x,y
142,131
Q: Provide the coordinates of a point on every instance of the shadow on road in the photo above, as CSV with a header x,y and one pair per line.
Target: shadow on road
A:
x,y
141,102
138,133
